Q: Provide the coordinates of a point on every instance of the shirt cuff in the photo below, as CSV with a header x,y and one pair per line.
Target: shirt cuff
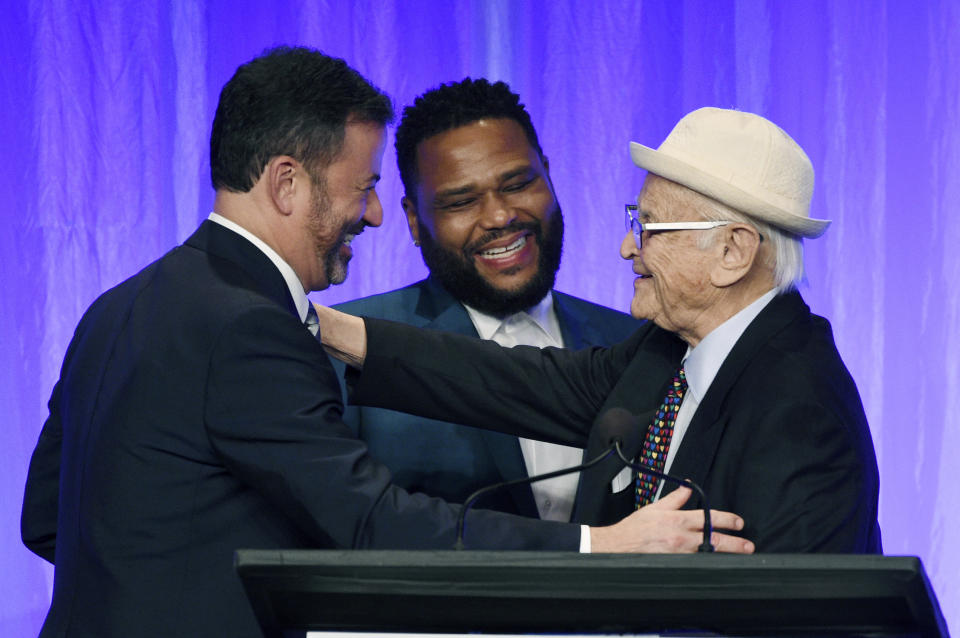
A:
x,y
584,539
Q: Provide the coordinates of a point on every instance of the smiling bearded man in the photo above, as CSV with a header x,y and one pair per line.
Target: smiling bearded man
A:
x,y
457,272
481,206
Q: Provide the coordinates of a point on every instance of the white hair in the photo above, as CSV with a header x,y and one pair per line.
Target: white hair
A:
x,y
785,257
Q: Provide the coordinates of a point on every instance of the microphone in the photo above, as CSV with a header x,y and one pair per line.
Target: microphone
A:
x,y
621,431
619,425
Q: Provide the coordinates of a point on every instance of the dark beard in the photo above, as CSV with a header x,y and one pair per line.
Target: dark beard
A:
x,y
335,268
458,274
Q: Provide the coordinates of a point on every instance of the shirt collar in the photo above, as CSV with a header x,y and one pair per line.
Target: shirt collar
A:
x,y
289,275
702,363
541,315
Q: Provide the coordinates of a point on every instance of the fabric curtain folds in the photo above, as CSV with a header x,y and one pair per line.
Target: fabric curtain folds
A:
x,y
106,111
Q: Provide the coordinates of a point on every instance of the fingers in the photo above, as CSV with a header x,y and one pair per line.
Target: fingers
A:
x,y
731,544
662,527
691,522
678,498
674,500
725,520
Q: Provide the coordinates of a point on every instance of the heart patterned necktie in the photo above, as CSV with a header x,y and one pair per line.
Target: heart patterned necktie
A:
x,y
656,444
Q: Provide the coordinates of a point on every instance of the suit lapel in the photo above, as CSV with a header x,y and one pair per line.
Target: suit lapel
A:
x,y
576,328
640,389
698,448
506,453
440,311
645,382
222,242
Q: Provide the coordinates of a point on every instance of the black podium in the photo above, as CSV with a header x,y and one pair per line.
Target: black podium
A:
x,y
547,592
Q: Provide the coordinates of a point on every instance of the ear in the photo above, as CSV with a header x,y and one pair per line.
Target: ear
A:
x,y
410,208
283,175
546,172
739,247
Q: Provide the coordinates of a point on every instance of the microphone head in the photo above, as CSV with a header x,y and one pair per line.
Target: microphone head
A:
x,y
618,423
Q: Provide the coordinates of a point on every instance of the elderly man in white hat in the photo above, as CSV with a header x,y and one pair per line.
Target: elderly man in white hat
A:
x,y
740,387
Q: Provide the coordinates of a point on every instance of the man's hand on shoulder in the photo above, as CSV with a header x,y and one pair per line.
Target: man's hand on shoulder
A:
x,y
663,528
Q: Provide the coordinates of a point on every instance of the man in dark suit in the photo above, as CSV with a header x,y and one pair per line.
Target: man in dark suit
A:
x,y
481,206
196,414
755,402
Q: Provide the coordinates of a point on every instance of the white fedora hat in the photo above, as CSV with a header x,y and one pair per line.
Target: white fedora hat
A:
x,y
742,160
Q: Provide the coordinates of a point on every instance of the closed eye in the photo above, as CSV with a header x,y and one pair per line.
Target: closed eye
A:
x,y
513,188
458,204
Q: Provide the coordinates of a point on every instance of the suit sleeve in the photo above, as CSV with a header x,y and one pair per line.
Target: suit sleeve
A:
x,y
38,518
274,416
41,496
808,481
550,394
352,417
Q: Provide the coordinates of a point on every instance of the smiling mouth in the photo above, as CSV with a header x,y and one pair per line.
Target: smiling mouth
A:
x,y
349,237
505,252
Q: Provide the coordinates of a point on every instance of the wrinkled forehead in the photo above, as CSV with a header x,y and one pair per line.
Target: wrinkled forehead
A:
x,y
662,200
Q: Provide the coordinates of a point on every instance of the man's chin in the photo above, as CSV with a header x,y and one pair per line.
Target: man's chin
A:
x,y
336,270
504,300
646,310
499,292
639,309
338,276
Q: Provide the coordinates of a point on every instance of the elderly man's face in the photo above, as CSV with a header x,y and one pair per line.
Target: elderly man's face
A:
x,y
673,288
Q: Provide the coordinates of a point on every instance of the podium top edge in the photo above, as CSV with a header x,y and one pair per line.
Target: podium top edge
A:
x,y
438,558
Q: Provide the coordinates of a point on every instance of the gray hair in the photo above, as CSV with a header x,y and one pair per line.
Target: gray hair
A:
x,y
785,258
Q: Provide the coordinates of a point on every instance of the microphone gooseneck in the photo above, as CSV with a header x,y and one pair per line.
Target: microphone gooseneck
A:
x,y
621,430
461,520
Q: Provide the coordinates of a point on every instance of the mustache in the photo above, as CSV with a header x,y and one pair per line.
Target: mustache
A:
x,y
355,230
513,227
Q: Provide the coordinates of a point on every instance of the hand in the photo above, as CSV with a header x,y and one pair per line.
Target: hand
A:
x,y
663,528
343,336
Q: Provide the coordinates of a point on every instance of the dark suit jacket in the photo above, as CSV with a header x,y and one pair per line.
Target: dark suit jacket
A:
x,y
195,415
780,437
451,461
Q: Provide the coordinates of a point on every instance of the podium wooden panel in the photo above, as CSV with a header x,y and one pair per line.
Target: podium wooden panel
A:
x,y
547,592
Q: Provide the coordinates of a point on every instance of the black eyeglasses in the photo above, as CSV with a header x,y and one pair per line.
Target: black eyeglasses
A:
x,y
638,227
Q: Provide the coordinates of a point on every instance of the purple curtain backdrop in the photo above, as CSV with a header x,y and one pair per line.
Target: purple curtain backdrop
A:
x,y
105,109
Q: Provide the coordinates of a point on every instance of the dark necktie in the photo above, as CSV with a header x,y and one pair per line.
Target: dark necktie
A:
x,y
656,444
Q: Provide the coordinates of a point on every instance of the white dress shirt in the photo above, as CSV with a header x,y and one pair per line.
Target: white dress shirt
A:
x,y
293,281
538,327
